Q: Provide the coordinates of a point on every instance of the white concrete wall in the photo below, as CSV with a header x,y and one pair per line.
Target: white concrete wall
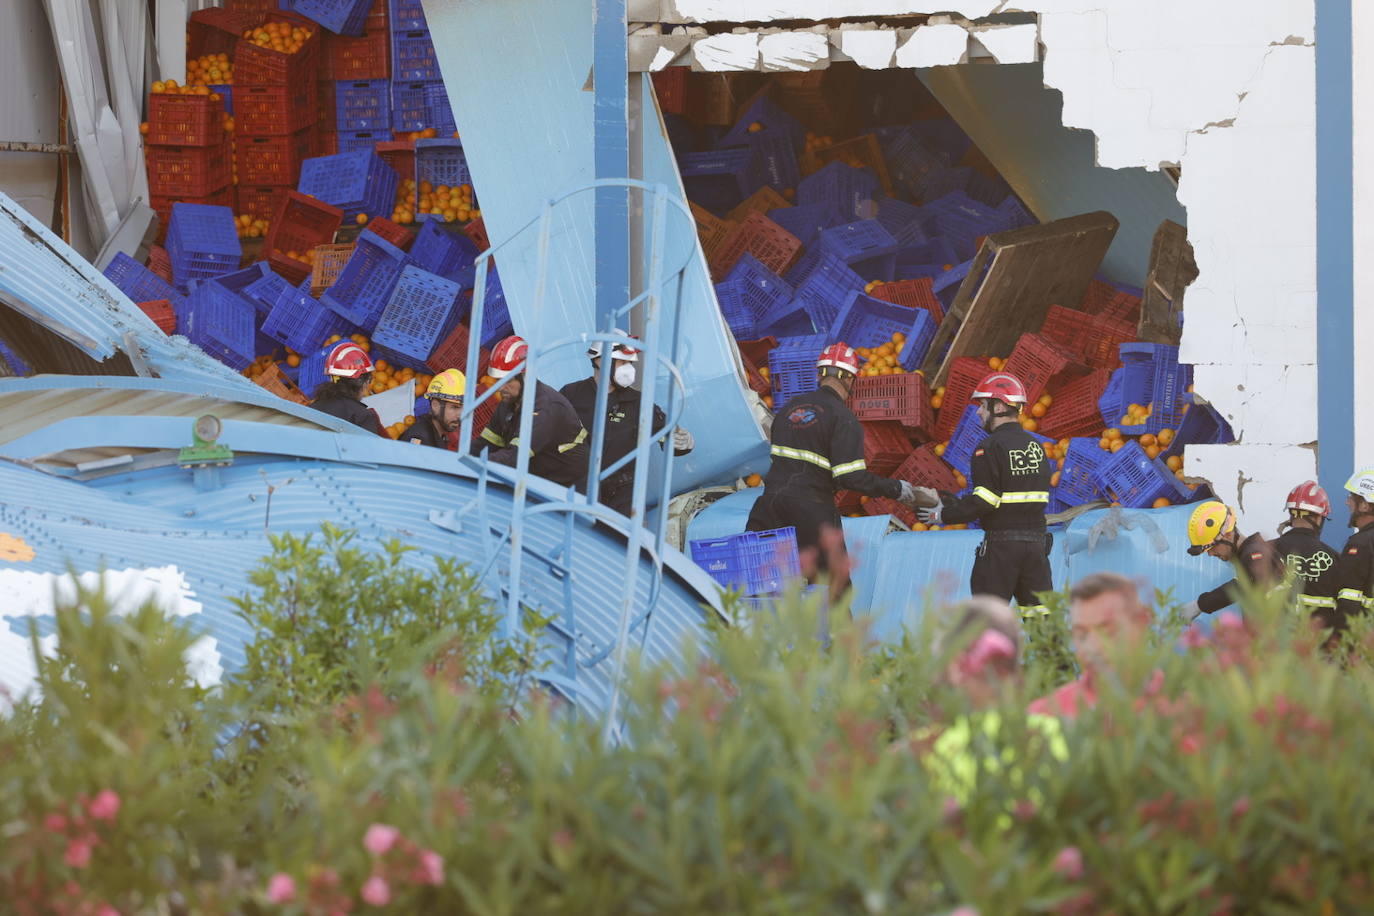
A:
x,y
1226,89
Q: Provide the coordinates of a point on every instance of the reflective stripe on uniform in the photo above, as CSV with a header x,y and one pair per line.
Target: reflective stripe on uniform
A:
x,y
578,440
1353,594
1032,611
493,438
1027,496
1315,601
849,467
797,454
987,496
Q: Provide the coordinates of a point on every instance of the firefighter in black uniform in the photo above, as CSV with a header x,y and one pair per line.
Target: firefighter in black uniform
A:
x,y
818,448
349,371
439,428
1212,530
1313,567
1355,594
622,420
1011,489
559,450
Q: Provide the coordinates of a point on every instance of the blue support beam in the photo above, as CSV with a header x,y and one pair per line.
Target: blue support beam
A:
x,y
1335,247
610,84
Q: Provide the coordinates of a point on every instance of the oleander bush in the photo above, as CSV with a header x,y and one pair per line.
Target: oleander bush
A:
x,y
398,754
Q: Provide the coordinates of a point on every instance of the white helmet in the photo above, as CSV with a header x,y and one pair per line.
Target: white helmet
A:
x,y
1361,483
595,347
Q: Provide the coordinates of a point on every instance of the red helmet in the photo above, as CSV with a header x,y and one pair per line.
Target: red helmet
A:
x,y
508,354
1309,497
839,356
1000,385
348,360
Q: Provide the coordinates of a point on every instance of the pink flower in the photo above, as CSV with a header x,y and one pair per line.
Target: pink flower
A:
x,y
952,809
1229,620
380,838
57,823
431,867
1241,807
964,911
1189,744
78,853
106,910
105,805
376,891
1069,863
281,889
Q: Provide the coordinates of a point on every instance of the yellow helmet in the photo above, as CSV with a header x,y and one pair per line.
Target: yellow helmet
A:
x,y
449,385
1209,521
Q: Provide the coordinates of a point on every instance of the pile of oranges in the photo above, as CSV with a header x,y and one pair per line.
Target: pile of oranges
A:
x,y
210,70
882,359
170,87
400,426
1137,414
451,203
429,133
279,36
249,227
305,257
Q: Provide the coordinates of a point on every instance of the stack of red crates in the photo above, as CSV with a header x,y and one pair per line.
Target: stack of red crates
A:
x,y
276,107
187,153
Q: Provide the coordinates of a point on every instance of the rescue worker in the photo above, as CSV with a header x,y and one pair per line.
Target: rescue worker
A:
x,y
1313,568
818,448
622,420
1212,530
439,427
1010,473
350,379
558,446
1355,594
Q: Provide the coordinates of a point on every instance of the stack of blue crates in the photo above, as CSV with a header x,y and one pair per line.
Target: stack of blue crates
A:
x,y
202,242
356,182
414,66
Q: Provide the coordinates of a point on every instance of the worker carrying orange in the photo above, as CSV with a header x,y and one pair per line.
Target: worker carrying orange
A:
x,y
1355,591
439,427
1212,530
558,441
1010,473
1313,568
818,448
349,371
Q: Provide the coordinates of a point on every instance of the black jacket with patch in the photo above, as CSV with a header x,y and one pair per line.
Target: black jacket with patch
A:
x,y
1355,583
818,448
1010,474
1258,561
558,445
1315,570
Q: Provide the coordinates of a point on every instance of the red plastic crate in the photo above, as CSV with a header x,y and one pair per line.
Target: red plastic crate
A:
x,y
400,155
163,206
160,263
773,246
290,269
903,398
670,85
452,353
300,224
399,236
756,351
275,110
1096,297
217,31
1074,410
1094,338
160,310
1037,361
883,506
918,294
256,6
366,57
760,385
184,120
885,446
924,468
260,203
194,171
477,231
255,65
849,502
1122,307
964,375
272,160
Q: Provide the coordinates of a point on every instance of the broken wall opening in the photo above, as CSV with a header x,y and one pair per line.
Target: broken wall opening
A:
x,y
854,204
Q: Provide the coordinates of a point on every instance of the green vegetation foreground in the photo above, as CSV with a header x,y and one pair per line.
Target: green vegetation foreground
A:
x,y
383,750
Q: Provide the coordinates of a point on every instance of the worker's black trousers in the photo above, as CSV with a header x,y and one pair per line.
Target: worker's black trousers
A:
x,y
808,517
1014,568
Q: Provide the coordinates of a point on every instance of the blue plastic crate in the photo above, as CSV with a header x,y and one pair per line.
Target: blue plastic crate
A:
x,y
1149,374
138,282
806,220
777,159
418,315
966,438
868,248
934,250
302,322
408,112
749,294
440,162
943,135
407,16
364,285
202,242
945,180
961,220
786,319
356,182
312,374
220,322
867,322
1080,480
851,190
17,367
771,120
822,285
226,94
448,254
720,179
1017,212
1201,425
496,321
438,110
903,221
413,57
362,105
238,281
264,291
909,159
343,17
351,141
756,562
1136,480
988,189
792,367
947,283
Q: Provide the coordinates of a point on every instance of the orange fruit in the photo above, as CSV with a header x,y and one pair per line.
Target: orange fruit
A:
x,y
940,448
1111,433
936,402
1117,445
1029,425
1165,437
1175,462
1054,479
1161,503
994,363
293,360
1037,410
1152,451
361,219
753,480
1147,440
